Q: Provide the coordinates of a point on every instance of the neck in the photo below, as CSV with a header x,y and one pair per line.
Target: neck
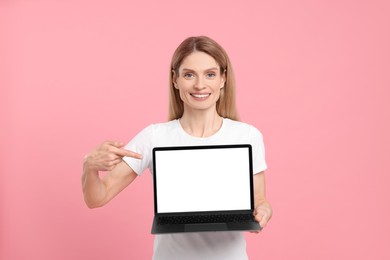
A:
x,y
201,124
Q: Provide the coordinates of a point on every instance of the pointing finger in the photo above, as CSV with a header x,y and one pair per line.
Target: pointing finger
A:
x,y
127,153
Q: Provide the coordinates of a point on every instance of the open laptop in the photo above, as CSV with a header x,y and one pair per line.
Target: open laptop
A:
x,y
203,188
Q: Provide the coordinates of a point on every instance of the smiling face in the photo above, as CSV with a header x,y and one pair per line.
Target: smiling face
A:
x,y
199,81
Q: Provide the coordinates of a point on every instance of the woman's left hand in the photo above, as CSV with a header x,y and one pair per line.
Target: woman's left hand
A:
x,y
263,213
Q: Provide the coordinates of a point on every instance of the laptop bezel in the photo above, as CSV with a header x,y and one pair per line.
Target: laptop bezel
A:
x,y
175,148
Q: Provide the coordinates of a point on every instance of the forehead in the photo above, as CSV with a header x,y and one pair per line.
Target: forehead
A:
x,y
199,61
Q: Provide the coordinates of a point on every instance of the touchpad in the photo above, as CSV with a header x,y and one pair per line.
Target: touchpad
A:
x,y
205,227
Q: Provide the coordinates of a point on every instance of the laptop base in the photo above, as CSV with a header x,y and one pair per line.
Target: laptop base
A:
x,y
203,227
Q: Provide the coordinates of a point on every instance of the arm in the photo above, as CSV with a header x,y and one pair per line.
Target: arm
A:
x,y
107,157
263,210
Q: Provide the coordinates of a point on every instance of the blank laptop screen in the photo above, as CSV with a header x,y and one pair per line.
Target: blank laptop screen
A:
x,y
202,180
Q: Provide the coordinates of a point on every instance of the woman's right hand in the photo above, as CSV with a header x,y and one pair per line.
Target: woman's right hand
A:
x,y
107,155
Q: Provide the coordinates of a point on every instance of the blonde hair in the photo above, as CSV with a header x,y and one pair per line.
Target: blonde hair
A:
x,y
226,105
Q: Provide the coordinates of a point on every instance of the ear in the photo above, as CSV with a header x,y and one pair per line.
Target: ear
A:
x,y
174,79
223,79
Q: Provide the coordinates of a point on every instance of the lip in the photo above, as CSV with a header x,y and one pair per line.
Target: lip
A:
x,y
200,95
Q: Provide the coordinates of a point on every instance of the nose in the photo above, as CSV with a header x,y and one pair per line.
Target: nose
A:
x,y
199,83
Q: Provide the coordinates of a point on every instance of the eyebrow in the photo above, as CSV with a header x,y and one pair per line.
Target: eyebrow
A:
x,y
213,68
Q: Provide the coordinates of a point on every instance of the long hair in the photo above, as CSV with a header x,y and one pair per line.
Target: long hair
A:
x,y
226,104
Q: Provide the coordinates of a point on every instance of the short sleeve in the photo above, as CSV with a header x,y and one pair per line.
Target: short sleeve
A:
x,y
142,144
258,150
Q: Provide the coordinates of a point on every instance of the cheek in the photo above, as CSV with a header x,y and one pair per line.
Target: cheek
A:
x,y
182,94
218,86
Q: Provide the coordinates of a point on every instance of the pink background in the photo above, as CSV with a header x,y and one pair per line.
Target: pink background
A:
x,y
313,76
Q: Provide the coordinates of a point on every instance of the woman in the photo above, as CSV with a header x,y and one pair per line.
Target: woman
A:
x,y
202,112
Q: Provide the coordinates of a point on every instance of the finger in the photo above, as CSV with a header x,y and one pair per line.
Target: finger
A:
x,y
109,165
127,153
123,152
260,219
264,220
116,144
110,168
116,161
262,216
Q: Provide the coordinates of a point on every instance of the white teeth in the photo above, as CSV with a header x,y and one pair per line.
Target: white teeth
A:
x,y
200,95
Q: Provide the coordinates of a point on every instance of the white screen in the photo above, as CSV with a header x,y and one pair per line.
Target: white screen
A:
x,y
202,180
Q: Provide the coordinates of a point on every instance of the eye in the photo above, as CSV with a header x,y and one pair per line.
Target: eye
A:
x,y
211,75
188,75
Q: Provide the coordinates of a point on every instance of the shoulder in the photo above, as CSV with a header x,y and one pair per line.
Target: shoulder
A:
x,y
156,129
241,127
159,130
163,127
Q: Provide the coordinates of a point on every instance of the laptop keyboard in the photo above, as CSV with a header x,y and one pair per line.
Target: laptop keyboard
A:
x,y
194,219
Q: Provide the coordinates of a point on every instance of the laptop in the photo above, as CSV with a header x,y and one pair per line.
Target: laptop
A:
x,y
203,188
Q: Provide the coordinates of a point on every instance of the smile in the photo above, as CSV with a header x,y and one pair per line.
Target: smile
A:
x,y
200,95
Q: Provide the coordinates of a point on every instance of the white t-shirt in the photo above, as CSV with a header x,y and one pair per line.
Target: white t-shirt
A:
x,y
202,245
